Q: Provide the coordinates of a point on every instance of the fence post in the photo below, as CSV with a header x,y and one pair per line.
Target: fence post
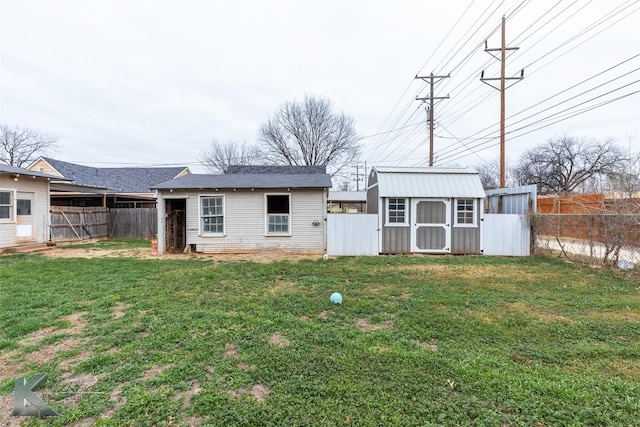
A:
x,y
591,226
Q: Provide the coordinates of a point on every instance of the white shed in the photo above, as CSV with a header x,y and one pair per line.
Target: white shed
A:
x,y
427,210
252,208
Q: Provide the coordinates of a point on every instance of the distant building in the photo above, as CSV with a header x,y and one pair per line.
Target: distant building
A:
x,y
86,186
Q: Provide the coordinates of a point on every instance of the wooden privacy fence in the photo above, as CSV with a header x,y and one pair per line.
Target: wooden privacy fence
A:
x,y
72,223
133,223
76,223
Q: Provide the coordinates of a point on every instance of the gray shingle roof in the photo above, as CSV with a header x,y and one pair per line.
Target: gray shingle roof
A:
x,y
246,180
117,180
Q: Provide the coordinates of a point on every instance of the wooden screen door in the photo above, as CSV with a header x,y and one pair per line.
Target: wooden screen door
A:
x,y
431,225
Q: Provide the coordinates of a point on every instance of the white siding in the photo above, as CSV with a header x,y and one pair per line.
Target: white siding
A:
x,y
40,209
245,222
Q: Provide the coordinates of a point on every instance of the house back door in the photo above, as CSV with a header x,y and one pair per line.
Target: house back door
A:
x,y
25,224
431,225
176,225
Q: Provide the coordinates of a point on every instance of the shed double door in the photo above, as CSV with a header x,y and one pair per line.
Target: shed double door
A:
x,y
431,225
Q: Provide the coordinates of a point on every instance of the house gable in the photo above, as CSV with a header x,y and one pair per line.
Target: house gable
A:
x,y
41,165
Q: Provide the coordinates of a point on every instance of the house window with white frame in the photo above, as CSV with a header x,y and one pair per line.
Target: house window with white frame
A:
x,y
397,211
465,212
212,214
6,206
278,213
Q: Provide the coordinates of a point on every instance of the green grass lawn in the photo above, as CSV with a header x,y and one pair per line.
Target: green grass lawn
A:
x,y
418,341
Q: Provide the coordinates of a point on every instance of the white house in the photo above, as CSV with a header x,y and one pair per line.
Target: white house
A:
x,y
24,206
250,208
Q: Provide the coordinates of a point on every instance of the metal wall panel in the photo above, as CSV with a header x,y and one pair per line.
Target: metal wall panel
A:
x,y
396,240
515,200
507,235
465,240
352,234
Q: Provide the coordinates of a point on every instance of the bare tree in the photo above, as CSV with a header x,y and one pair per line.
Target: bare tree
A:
x,y
21,146
620,217
309,133
490,174
220,155
564,165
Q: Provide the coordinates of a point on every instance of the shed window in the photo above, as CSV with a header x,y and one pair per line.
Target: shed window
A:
x,y
212,214
278,213
396,211
465,212
5,204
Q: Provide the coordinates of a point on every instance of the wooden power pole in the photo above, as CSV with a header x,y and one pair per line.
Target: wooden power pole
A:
x,y
503,49
432,80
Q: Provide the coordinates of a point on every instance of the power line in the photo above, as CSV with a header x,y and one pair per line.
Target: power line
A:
x,y
553,96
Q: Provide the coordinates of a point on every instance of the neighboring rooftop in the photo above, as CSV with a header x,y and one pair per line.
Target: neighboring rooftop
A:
x,y
116,180
285,169
347,196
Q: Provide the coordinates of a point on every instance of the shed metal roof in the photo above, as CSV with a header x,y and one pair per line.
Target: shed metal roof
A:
x,y
245,180
347,196
428,182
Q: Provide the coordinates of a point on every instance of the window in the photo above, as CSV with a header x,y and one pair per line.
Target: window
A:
x,y
212,214
465,214
5,204
397,211
24,207
278,212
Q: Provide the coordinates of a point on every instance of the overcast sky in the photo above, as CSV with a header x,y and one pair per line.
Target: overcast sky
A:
x,y
141,82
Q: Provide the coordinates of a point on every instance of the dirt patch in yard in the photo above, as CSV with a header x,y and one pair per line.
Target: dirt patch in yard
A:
x,y
258,392
230,351
118,310
154,372
278,340
426,345
365,325
145,253
195,389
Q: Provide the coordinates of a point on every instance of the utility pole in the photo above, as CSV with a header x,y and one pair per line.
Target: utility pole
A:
x,y
432,80
357,174
503,49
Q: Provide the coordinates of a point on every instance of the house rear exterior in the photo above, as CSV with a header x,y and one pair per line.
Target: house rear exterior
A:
x,y
427,210
250,209
24,206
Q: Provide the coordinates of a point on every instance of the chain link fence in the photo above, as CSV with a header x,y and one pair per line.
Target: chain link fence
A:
x,y
602,238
